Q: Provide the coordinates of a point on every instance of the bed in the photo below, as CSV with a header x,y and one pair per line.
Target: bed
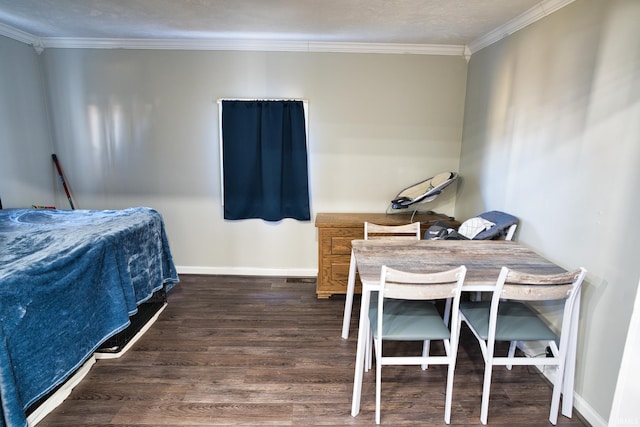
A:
x,y
69,280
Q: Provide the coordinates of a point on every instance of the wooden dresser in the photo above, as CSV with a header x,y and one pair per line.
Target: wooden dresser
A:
x,y
337,230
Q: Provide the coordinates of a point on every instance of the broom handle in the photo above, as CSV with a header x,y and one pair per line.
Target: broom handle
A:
x,y
64,184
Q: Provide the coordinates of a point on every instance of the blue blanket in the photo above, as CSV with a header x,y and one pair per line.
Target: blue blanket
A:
x,y
68,281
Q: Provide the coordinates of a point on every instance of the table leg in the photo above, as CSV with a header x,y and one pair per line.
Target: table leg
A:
x,y
348,303
363,335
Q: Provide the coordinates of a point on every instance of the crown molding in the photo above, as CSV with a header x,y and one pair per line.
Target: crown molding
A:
x,y
19,35
253,45
544,8
394,48
172,44
229,44
22,36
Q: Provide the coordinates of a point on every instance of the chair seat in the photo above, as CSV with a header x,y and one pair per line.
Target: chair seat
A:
x,y
409,321
516,321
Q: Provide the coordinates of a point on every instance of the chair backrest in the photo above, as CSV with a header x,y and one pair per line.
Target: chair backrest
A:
x,y
398,232
516,285
398,284
402,285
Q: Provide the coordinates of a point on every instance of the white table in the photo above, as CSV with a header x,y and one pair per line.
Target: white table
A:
x,y
483,259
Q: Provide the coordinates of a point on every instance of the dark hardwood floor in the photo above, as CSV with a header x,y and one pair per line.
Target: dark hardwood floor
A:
x,y
264,351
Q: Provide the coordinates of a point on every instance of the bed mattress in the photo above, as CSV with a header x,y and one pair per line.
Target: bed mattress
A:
x,y
69,280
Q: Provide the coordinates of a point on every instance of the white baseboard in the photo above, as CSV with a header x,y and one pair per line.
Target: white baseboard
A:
x,y
587,412
579,404
248,271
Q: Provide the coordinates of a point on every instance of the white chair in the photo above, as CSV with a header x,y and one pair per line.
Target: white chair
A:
x,y
374,231
396,232
401,313
508,317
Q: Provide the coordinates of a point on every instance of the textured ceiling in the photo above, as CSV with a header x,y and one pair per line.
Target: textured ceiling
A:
x,y
447,22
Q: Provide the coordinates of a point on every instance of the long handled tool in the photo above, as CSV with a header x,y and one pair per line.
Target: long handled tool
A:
x,y
61,175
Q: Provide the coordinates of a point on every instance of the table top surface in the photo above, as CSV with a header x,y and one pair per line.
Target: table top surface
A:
x,y
483,258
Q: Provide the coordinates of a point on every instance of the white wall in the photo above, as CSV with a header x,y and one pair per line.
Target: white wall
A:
x,y
551,135
26,168
140,127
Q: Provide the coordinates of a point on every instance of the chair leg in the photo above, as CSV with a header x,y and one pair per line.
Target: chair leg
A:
x,y
448,396
446,317
512,352
557,388
449,393
369,352
486,389
425,353
378,381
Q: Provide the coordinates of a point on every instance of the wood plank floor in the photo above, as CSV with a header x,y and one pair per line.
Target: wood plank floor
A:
x,y
264,351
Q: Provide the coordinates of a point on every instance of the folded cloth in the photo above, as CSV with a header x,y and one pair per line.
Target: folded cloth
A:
x,y
474,226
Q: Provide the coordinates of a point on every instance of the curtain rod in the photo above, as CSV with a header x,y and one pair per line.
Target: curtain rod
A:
x,y
261,99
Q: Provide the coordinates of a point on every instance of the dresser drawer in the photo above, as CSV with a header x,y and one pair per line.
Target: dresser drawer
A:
x,y
337,241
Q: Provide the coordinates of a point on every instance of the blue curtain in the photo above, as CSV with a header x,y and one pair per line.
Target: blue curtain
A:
x,y
265,160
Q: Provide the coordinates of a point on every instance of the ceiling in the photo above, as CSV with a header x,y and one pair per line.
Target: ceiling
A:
x,y
404,22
